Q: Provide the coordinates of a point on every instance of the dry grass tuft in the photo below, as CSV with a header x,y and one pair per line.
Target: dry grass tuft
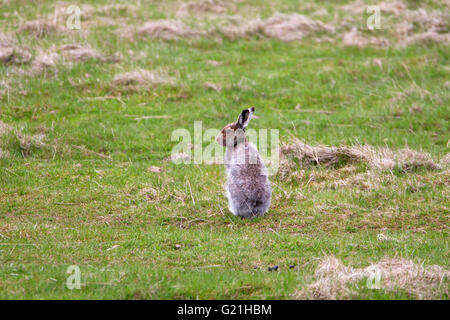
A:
x,y
212,86
359,6
141,78
415,27
27,143
178,158
41,27
320,155
150,193
356,7
44,63
395,7
4,89
355,38
290,27
369,180
4,154
445,161
405,159
286,27
377,158
203,6
430,36
75,52
410,26
4,128
61,11
130,9
333,279
235,28
166,29
433,27
215,63
10,52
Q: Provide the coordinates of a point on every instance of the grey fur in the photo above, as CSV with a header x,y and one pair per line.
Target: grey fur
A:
x,y
248,186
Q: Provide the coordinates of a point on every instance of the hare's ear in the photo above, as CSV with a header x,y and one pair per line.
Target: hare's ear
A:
x,y
244,118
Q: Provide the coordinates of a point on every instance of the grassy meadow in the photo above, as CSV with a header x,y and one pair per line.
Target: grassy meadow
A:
x,y
85,171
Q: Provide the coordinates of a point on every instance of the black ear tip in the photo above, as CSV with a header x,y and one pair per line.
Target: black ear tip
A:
x,y
252,109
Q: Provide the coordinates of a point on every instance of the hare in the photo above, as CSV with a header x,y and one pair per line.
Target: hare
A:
x,y
248,186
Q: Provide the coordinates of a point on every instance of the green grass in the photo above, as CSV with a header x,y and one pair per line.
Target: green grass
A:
x,y
63,205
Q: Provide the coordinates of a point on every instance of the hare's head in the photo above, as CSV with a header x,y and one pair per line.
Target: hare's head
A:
x,y
234,133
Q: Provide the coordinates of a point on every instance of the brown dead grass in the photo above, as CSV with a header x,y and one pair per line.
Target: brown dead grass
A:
x,y
319,155
4,128
377,158
332,279
41,27
395,7
430,36
161,29
290,27
203,6
406,158
358,7
13,137
5,88
26,142
432,27
445,161
61,11
285,27
407,26
45,63
141,79
76,52
130,9
212,86
167,29
356,38
417,26
11,52
369,180
150,194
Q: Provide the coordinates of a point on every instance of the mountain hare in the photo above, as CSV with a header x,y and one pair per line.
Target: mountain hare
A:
x,y
248,186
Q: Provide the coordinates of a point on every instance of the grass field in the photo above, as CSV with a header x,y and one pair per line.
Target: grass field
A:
x,y
84,175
